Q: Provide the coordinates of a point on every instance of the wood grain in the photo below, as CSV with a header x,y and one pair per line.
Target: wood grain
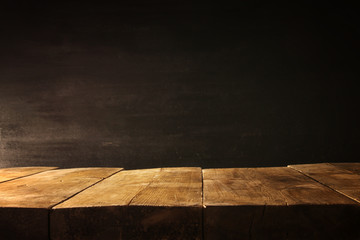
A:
x,y
314,201
28,199
352,167
172,187
117,190
7,174
143,204
274,203
334,176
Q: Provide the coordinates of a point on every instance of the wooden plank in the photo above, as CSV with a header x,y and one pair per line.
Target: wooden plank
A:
x,y
136,204
25,202
274,203
352,167
117,190
7,174
336,177
172,187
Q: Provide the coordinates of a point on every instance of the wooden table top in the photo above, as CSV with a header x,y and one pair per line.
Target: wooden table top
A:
x,y
181,203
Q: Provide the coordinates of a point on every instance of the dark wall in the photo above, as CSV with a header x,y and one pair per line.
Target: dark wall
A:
x,y
172,83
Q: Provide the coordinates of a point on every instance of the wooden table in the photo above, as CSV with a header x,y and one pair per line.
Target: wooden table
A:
x,y
25,202
310,201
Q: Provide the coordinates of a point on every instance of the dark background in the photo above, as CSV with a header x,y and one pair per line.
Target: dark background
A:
x,y
142,84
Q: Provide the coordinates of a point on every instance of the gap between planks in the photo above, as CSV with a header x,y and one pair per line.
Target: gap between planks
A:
x,y
51,207
337,191
30,174
102,179
142,190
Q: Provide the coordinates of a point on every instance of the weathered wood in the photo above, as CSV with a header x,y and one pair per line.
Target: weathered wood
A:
x,y
7,174
27,200
311,202
353,167
172,187
116,190
335,177
274,203
136,204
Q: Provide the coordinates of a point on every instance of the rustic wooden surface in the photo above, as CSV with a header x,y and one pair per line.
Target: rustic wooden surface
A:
x,y
7,174
335,177
274,203
353,167
315,201
172,187
147,204
28,199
